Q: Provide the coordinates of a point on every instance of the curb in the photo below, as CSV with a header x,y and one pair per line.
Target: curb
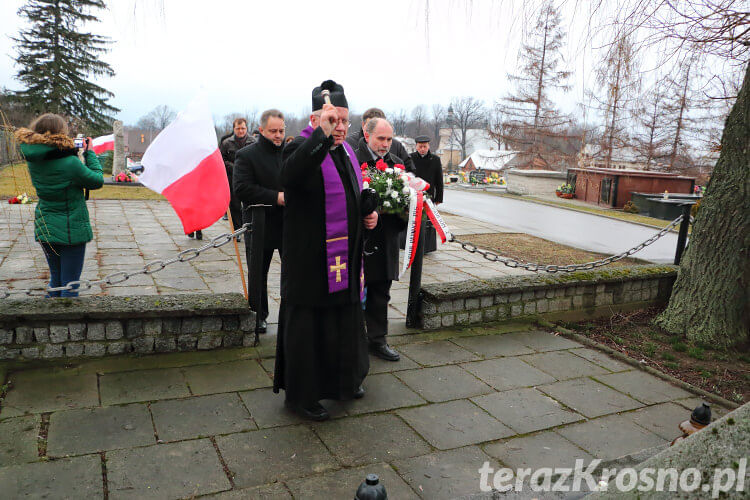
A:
x,y
626,359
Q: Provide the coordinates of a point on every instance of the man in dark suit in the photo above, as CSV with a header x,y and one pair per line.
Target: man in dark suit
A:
x,y
228,148
428,167
257,170
381,244
397,148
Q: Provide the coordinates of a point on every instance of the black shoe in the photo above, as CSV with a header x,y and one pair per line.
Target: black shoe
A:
x,y
359,393
384,351
198,235
263,326
314,411
225,217
238,237
191,235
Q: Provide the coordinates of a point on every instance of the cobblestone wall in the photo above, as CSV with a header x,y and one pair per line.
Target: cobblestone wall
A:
x,y
589,292
97,326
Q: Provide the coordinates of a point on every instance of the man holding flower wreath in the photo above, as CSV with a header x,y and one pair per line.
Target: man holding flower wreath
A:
x,y
381,243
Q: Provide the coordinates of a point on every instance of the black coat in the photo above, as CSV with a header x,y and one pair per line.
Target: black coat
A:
x,y
257,180
304,280
382,242
397,149
229,148
430,169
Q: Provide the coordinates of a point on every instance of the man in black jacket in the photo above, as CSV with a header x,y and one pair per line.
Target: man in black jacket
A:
x,y
397,148
228,148
321,348
257,170
428,167
381,244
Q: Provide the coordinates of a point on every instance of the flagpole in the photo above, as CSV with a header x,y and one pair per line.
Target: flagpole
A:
x,y
237,251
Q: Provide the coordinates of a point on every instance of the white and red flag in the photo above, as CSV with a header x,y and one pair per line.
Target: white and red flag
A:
x,y
184,164
104,143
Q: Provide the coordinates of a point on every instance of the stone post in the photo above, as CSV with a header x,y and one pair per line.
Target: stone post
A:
x,y
118,161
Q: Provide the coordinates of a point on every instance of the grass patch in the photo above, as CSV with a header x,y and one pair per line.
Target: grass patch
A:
x,y
15,179
696,353
672,365
532,249
668,356
679,346
649,348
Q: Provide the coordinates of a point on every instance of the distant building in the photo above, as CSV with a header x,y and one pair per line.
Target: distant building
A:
x,y
487,159
613,187
449,150
409,144
593,156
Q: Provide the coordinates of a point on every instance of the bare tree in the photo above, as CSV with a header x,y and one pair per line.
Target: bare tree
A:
x,y
529,113
398,120
650,137
436,122
683,126
618,81
158,118
468,113
419,118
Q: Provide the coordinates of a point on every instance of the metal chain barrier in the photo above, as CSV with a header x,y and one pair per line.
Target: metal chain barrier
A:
x,y
150,268
530,266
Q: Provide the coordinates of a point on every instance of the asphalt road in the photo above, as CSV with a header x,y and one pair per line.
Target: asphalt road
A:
x,y
576,229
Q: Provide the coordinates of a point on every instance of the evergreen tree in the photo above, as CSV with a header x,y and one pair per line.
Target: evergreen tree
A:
x,y
56,58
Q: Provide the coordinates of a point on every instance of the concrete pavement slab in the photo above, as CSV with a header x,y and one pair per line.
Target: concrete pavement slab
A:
x,y
18,440
226,377
344,483
259,457
589,398
38,391
643,386
542,341
601,359
142,385
493,346
437,353
200,416
370,439
383,392
563,365
454,424
526,410
661,419
378,365
443,383
610,437
78,477
275,491
546,449
267,408
173,470
445,475
78,432
508,373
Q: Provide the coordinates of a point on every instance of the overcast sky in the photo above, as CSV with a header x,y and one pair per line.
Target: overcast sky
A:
x,y
271,53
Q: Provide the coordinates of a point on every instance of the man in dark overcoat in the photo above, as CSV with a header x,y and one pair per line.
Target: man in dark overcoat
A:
x,y
381,244
397,148
427,166
228,148
321,348
257,181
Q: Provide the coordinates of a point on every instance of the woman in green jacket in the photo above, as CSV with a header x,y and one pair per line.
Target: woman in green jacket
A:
x,y
61,219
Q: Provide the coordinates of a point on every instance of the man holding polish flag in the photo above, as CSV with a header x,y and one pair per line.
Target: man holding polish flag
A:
x,y
184,164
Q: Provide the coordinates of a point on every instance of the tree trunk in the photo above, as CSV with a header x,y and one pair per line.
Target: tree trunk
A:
x,y
709,302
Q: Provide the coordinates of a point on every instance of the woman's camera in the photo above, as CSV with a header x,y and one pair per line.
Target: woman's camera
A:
x,y
79,141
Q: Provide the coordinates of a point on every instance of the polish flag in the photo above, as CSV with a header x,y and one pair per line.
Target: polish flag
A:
x,y
184,164
103,143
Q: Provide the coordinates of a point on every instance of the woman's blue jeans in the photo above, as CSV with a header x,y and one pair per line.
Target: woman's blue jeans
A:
x,y
65,265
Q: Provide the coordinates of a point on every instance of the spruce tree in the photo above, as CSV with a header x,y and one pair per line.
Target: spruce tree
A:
x,y
57,59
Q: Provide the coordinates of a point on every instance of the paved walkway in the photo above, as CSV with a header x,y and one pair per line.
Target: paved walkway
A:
x,y
192,424
128,234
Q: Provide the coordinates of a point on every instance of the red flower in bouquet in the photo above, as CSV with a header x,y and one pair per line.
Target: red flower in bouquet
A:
x,y
14,200
399,166
367,179
381,165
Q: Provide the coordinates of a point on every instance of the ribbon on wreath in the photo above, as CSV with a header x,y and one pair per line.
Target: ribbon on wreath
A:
x,y
417,204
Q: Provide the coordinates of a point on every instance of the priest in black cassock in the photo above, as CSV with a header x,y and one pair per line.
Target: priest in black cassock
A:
x,y
427,166
321,349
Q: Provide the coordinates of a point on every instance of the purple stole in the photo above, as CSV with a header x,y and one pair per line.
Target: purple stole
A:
x,y
337,228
